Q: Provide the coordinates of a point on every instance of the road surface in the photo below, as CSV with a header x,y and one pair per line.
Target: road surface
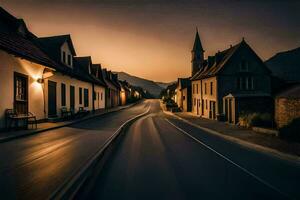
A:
x,y
35,166
161,157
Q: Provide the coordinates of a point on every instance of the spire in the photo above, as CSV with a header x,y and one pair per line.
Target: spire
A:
x,y
197,43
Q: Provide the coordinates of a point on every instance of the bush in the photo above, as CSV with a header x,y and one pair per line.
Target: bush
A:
x,y
256,119
291,131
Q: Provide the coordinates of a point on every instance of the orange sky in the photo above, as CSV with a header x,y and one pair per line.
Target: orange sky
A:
x,y
154,40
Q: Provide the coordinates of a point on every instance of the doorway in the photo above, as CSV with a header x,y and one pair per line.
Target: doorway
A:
x,y
20,93
52,99
72,98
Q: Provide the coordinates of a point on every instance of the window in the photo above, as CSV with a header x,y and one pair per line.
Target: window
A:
x,y
193,86
20,93
197,88
86,98
64,57
21,88
211,88
94,95
183,98
194,101
206,106
63,94
245,83
80,95
244,66
69,60
205,88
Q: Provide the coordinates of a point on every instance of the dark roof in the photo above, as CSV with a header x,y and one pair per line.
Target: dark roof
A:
x,y
17,40
184,82
108,79
220,60
82,67
51,45
197,43
291,92
97,73
125,85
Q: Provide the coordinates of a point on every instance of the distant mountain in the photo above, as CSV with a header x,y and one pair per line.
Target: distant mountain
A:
x,y
164,85
151,86
286,65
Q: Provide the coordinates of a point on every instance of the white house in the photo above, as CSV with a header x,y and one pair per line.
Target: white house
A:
x,y
41,76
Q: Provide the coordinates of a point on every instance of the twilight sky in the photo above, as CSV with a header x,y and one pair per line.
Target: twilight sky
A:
x,y
153,38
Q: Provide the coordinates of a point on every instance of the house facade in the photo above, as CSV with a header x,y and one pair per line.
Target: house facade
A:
x,y
183,94
112,93
43,75
230,83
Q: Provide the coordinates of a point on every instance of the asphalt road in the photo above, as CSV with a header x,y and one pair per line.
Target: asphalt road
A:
x,y
161,157
34,167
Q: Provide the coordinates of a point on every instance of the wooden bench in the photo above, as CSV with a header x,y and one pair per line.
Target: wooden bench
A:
x,y
12,117
82,112
65,113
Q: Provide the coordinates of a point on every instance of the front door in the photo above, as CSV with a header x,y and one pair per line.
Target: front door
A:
x,y
72,98
20,93
230,111
212,109
52,99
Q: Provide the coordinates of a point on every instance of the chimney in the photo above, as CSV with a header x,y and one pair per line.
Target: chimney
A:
x,y
210,61
218,57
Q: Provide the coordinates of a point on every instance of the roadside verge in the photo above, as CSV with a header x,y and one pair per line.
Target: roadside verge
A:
x,y
71,187
249,145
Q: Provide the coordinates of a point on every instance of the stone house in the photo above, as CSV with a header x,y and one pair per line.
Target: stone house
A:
x,y
183,94
231,82
287,106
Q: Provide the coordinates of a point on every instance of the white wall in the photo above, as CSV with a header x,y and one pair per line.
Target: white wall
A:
x,y
98,102
68,81
10,64
37,92
65,48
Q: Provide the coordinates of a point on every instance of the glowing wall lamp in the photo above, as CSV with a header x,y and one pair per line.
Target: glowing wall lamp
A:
x,y
47,73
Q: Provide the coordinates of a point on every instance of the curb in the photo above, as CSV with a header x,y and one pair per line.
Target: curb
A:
x,y
70,188
249,145
14,137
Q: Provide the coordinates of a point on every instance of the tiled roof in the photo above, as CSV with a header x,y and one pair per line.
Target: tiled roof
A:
x,y
20,46
220,60
17,40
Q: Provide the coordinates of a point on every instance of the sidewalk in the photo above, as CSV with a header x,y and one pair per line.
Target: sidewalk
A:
x,y
46,126
243,136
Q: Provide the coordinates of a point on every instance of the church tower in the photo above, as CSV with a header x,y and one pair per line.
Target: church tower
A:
x,y
197,55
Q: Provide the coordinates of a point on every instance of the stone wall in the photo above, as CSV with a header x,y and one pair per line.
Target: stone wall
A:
x,y
286,110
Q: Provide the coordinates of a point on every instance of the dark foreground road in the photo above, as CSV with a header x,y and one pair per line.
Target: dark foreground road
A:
x,y
34,167
160,157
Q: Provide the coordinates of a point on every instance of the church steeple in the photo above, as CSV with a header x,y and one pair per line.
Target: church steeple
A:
x,y
197,54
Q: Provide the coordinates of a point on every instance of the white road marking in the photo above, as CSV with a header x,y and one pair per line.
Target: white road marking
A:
x,y
230,161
